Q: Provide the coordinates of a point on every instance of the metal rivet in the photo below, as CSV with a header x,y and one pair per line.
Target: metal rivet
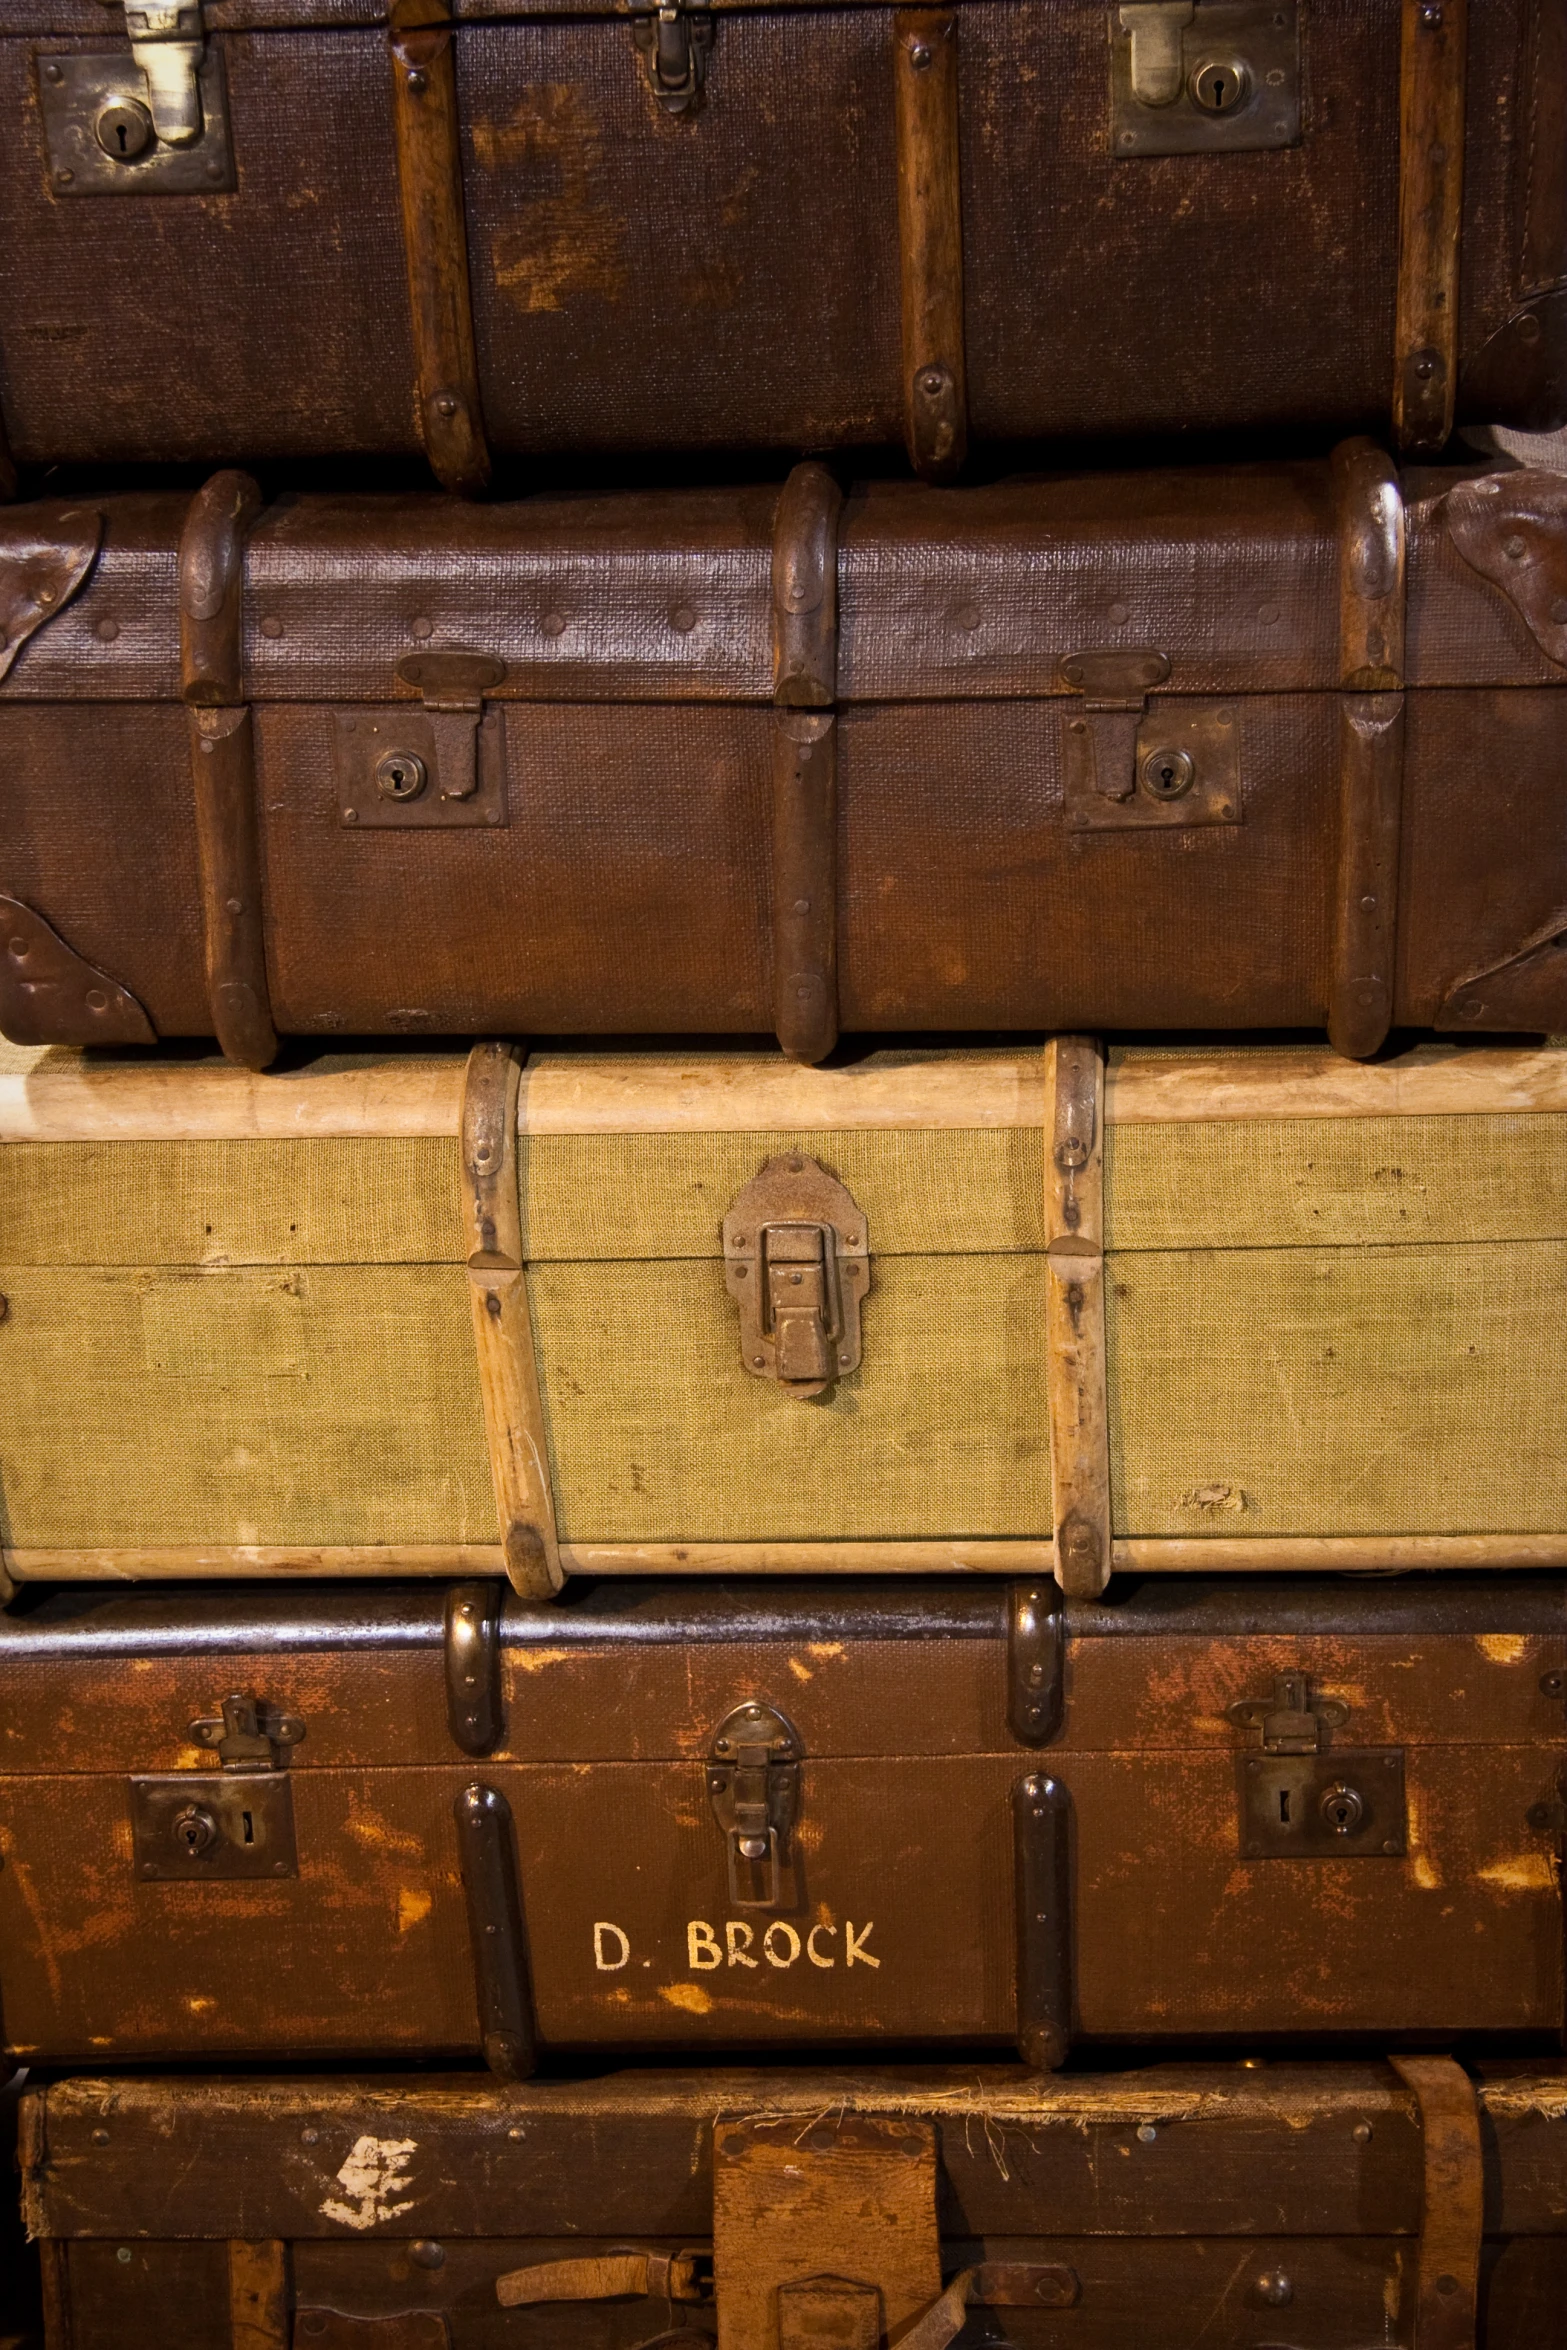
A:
x,y
515,2133
100,2137
1447,2284
106,631
735,2145
1361,2133
802,905
63,179
967,616
123,2255
1552,1684
271,625
1367,903
446,405
1147,2133
1267,614
235,905
309,2137
553,624
426,2253
214,169
1275,2288
421,627
919,56
97,1001
350,815
418,82
1425,367
1391,1845
683,618
1514,549
51,73
933,382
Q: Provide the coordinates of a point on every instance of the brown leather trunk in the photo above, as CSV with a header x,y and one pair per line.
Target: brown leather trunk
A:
x,y
1273,746
809,1816
1202,2207
567,227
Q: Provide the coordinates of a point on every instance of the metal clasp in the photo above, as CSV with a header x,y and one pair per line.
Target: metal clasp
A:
x,y
1115,687
1292,1721
1153,29
674,42
452,687
168,42
753,1785
797,1264
249,1736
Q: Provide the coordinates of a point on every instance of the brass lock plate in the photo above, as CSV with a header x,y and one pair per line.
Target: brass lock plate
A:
x,y
188,1826
397,766
1331,1806
1183,768
98,133
797,1264
1203,77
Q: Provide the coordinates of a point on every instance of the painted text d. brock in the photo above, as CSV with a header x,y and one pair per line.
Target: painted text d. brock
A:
x,y
743,1944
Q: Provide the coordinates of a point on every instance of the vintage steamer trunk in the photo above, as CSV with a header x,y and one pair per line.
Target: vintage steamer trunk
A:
x,y
1324,2207
706,1816
714,1313
298,227
1259,747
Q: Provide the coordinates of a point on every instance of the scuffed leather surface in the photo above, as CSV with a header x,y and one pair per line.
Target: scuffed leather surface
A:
x,y
661,595
45,554
96,833
628,891
1231,573
118,638
1485,848
1460,629
270,322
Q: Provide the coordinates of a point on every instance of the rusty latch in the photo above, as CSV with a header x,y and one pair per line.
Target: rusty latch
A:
x,y
249,1736
797,1264
453,686
1115,687
674,41
168,42
1292,1721
753,1785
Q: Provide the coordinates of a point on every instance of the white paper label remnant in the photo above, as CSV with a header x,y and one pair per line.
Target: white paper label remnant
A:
x,y
375,2172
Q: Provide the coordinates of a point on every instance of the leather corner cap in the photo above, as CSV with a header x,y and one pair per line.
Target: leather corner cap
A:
x,y
1512,529
45,554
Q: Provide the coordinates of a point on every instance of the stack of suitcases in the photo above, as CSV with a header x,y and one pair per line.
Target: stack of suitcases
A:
x,y
784,1552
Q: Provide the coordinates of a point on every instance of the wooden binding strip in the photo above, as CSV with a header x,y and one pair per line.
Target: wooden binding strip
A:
x,y
502,1326
805,764
1176,1554
259,2296
1430,220
435,244
1075,1314
930,239
1372,564
1447,2283
223,764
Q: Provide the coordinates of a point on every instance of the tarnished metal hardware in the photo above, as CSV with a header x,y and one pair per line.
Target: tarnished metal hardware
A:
x,y
1042,1872
471,1649
1128,768
1292,1720
1203,77
675,41
149,121
1512,529
1550,1816
249,1736
1296,1806
797,1264
487,1857
1034,1661
753,1785
441,765
221,1825
50,995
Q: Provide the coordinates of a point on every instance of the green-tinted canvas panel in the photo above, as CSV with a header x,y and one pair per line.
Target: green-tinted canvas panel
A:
x,y
323,1405
1338,1391
659,1434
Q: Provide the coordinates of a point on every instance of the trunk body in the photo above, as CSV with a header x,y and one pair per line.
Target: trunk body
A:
x,y
242,1316
1305,2204
717,1816
534,249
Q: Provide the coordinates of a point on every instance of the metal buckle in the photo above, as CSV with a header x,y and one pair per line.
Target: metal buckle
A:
x,y
753,1785
674,42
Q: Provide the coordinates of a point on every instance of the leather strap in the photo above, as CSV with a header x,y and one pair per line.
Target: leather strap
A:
x,y
1452,2204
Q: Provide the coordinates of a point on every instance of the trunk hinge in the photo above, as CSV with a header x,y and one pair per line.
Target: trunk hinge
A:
x,y
753,1785
674,41
168,42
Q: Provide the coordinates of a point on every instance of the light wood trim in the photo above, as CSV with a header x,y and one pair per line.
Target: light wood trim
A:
x,y
502,1325
258,2296
1435,47
435,244
1075,1314
1280,1554
64,1097
930,239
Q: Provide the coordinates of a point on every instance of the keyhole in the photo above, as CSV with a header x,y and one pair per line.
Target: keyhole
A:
x,y
121,136
247,1822
1220,87
1284,1807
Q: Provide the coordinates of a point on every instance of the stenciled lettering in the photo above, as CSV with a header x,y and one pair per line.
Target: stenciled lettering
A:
x,y
602,1947
811,1951
854,1950
782,1945
738,1938
790,1944
702,1951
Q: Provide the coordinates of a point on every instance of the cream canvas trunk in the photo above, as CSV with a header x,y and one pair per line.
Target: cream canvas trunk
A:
x,y
447,1314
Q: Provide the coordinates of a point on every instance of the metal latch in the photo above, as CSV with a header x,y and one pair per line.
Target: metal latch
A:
x,y
152,123
753,1785
1291,1721
675,41
1204,76
234,1823
441,764
797,1264
1298,1801
1119,772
